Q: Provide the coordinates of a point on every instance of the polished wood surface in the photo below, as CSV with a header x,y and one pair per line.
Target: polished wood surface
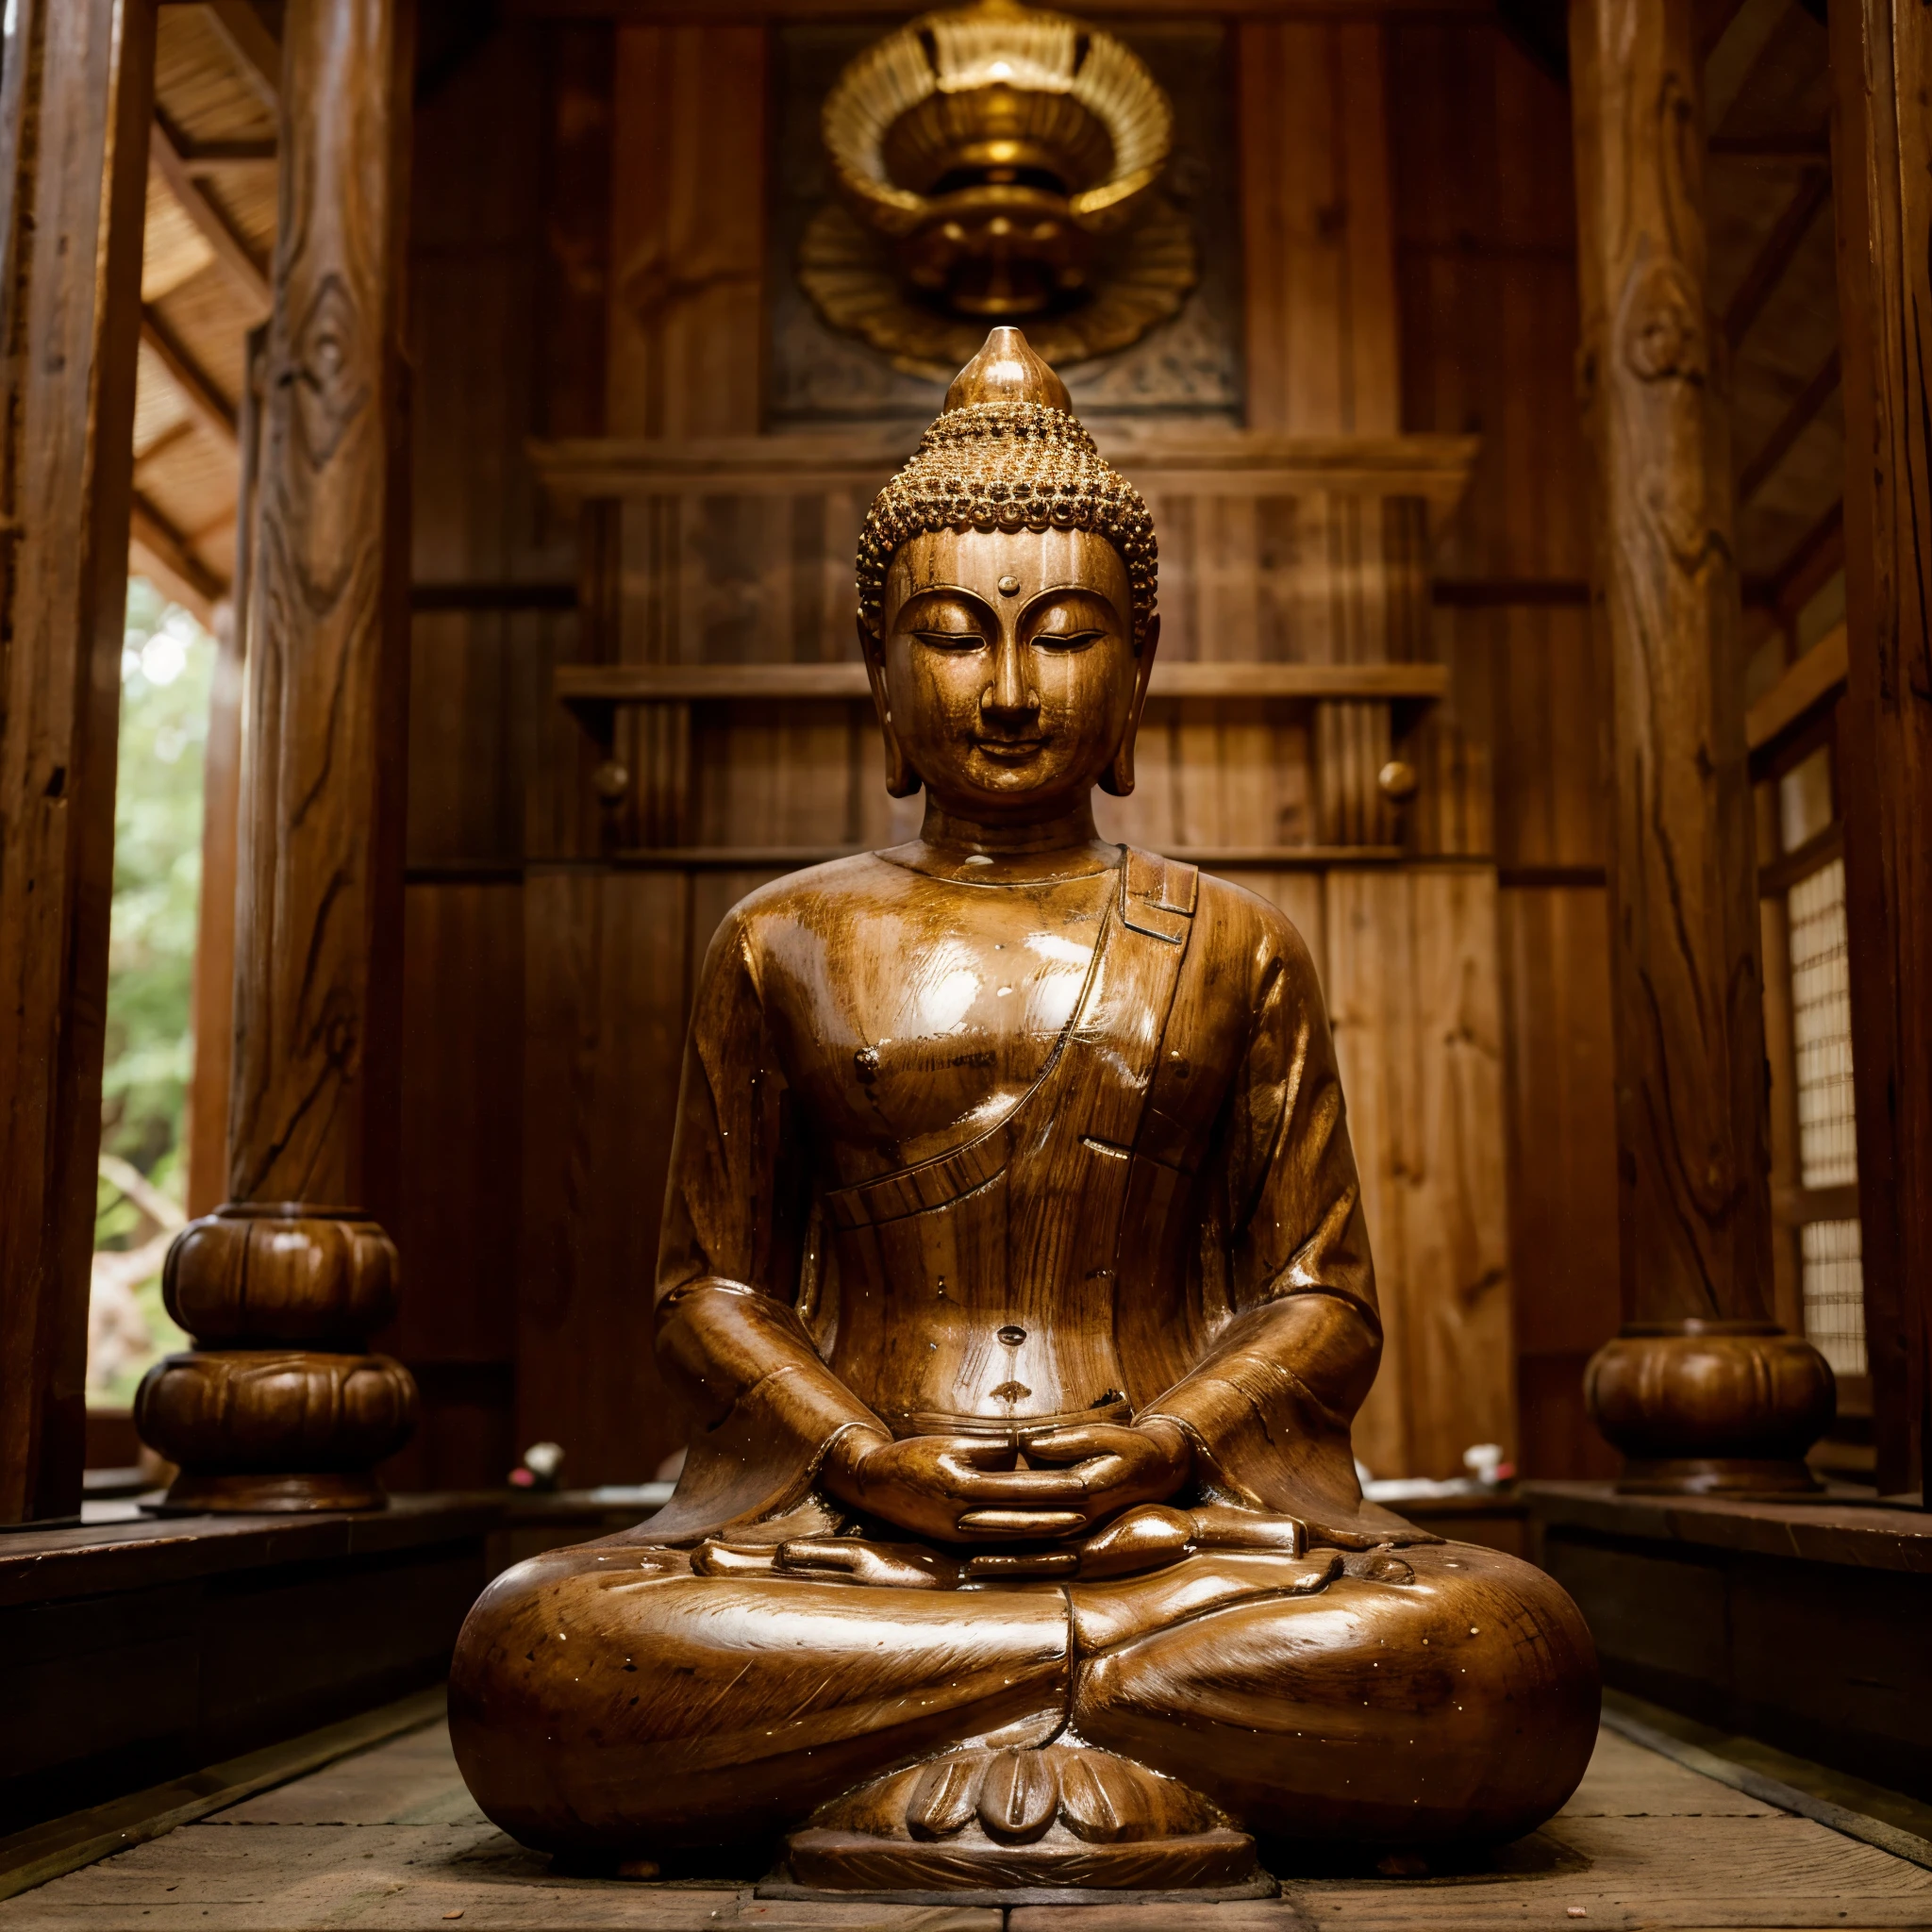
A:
x,y
296,1256
1485,209
1321,319
214,944
74,104
1014,1293
1881,144
1701,1388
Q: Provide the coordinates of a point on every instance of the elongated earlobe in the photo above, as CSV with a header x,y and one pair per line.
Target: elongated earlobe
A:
x,y
902,781
1118,779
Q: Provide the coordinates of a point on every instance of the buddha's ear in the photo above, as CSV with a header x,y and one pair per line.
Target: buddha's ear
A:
x,y
1118,776
902,781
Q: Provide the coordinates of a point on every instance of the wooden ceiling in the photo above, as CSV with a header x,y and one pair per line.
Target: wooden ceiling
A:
x,y
1773,285
205,284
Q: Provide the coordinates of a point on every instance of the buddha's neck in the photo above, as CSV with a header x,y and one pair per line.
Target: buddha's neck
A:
x,y
956,844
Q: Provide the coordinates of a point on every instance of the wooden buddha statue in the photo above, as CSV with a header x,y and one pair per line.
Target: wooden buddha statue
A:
x,y
1014,1275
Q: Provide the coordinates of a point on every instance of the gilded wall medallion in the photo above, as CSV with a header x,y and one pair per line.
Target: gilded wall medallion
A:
x,y
992,163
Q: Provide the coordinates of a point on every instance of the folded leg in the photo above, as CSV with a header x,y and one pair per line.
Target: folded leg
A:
x,y
603,1697
1447,1694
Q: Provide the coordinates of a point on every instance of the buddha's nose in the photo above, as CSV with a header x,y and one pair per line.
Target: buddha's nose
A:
x,y
1011,693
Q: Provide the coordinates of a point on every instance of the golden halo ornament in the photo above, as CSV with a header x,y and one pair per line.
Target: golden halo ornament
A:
x,y
994,163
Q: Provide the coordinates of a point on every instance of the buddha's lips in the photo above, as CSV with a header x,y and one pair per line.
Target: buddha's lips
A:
x,y
1013,749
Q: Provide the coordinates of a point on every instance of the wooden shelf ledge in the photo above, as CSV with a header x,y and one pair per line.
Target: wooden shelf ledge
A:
x,y
1842,1526
579,685
1162,460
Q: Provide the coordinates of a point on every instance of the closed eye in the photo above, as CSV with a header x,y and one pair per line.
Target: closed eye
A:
x,y
951,640
1067,640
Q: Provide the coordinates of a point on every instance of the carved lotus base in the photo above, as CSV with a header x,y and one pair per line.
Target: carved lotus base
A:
x,y
275,1430
1012,1826
1711,1407
281,1272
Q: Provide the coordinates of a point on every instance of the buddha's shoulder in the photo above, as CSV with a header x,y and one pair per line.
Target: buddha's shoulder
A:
x,y
1236,920
820,897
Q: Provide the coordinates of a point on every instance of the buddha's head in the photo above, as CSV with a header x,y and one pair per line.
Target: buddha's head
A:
x,y
1006,601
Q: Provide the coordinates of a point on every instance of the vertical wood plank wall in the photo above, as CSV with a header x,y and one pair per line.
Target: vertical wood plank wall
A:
x,y
1486,248
1410,267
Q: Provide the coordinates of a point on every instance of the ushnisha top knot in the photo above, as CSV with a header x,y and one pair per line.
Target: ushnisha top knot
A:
x,y
1008,454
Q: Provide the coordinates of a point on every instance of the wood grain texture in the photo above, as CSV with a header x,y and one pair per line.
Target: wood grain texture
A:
x,y
1318,227
318,921
1412,980
1668,1847
688,240
458,1219
1695,1208
1556,991
1881,149
214,943
604,964
75,100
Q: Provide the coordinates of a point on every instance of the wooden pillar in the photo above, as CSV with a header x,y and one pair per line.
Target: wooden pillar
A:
x,y
76,91
282,1407
221,827
1881,59
1701,1390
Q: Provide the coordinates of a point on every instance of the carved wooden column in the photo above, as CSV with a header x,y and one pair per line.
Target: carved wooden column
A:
x,y
77,93
281,1408
1881,62
1701,1390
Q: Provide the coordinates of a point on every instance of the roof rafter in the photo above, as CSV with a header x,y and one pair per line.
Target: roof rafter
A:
x,y
258,53
1780,247
1790,426
204,400
230,250
183,572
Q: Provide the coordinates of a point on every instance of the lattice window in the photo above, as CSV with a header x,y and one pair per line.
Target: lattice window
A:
x,y
1831,1272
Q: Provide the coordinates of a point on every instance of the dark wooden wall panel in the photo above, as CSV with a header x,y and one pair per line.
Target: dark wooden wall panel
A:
x,y
460,1215
497,355
1485,211
606,959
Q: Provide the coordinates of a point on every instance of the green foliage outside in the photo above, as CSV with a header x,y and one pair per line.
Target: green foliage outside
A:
x,y
166,664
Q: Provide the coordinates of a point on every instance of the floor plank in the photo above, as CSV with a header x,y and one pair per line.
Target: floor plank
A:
x,y
389,1840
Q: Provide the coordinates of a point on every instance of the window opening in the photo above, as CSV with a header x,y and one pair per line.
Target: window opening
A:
x,y
167,662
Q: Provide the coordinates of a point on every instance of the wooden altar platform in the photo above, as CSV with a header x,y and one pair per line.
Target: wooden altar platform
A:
x,y
388,1840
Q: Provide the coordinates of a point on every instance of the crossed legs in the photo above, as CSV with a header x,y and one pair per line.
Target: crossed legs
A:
x,y
604,1698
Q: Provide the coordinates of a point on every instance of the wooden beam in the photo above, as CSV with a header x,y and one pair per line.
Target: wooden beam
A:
x,y
1809,682
1692,1101
1816,555
1768,266
256,52
1881,53
189,578
230,250
1790,426
197,388
76,99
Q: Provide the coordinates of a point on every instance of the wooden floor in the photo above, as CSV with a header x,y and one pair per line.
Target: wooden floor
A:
x,y
389,1841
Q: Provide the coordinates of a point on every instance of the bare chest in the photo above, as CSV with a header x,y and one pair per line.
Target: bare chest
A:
x,y
945,1010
